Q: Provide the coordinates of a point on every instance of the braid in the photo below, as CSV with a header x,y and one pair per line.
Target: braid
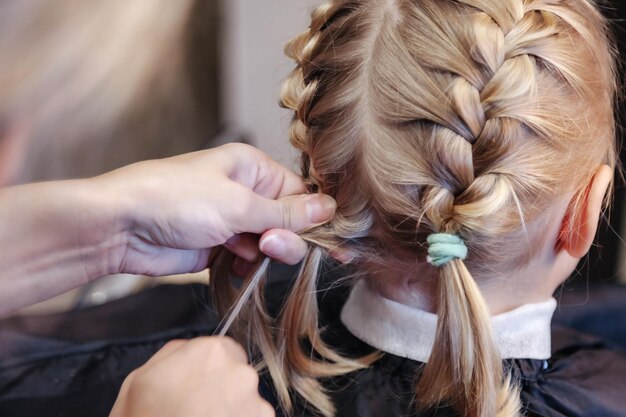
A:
x,y
465,369
299,89
299,321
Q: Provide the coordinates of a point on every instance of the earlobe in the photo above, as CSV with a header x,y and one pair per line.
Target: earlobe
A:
x,y
578,229
344,256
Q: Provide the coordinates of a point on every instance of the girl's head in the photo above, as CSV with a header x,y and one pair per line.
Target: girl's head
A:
x,y
469,117
480,118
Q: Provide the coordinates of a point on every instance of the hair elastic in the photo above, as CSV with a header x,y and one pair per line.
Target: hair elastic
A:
x,y
444,247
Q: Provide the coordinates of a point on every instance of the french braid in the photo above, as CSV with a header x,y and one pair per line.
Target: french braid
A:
x,y
292,366
465,369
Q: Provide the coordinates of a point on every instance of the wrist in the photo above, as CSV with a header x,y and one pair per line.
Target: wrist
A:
x,y
55,236
86,222
105,225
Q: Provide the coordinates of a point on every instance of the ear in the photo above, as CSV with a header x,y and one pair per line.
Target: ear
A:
x,y
343,256
579,229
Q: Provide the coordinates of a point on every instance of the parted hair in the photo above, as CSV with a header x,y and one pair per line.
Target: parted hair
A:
x,y
468,117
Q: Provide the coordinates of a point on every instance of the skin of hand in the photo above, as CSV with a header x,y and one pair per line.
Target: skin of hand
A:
x,y
181,208
203,377
155,218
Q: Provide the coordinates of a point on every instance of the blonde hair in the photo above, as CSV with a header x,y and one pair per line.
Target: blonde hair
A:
x,y
468,117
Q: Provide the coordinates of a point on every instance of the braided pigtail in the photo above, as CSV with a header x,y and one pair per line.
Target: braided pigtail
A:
x,y
496,101
465,369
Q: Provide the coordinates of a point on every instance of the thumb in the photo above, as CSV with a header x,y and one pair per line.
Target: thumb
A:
x,y
295,213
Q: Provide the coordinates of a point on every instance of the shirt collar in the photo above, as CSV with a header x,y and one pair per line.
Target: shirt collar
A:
x,y
409,332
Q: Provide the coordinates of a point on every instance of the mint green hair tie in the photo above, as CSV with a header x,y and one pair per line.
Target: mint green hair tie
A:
x,y
444,247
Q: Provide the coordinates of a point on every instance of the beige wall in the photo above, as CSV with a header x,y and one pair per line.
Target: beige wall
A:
x,y
254,66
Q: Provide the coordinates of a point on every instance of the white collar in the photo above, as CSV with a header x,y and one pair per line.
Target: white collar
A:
x,y
408,332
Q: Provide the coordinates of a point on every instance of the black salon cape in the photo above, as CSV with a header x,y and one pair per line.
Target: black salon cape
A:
x,y
73,364
584,376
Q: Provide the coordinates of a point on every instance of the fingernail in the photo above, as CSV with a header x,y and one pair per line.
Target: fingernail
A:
x,y
320,208
273,245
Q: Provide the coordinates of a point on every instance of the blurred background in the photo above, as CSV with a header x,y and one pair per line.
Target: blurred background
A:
x,y
219,82
232,73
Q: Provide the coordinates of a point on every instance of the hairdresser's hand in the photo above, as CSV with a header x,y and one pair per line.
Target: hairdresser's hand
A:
x,y
204,377
156,218
177,210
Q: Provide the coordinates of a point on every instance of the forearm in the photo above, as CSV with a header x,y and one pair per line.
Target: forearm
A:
x,y
154,218
54,236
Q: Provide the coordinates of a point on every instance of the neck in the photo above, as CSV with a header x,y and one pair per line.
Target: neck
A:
x,y
502,292
414,282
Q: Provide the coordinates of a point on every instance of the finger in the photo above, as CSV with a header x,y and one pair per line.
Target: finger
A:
x,y
283,245
167,261
275,181
295,213
245,246
258,172
220,345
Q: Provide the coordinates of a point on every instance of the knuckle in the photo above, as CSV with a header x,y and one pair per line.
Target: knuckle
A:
x,y
132,375
218,347
234,147
241,151
266,410
231,345
173,343
221,346
135,381
238,146
130,379
205,345
249,377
